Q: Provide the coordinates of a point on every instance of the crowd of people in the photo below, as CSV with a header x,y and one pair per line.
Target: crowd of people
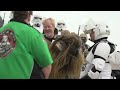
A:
x,y
44,50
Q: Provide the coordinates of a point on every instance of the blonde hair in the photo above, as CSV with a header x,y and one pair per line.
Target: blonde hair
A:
x,y
49,19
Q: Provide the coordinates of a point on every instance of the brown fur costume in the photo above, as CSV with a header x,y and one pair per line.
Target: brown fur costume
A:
x,y
64,32
68,58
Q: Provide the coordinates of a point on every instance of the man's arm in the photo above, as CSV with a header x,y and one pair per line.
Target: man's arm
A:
x,y
40,52
46,71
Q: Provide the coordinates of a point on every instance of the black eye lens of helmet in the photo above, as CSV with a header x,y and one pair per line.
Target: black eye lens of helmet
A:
x,y
37,18
61,24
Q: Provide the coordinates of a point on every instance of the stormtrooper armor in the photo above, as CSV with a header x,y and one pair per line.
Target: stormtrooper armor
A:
x,y
37,22
100,66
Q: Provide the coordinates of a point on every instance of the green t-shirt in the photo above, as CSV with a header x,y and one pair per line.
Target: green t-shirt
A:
x,y
19,45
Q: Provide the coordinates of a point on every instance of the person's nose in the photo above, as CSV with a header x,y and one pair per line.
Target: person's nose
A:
x,y
47,29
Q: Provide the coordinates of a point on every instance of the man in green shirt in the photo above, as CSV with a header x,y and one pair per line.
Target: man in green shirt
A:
x,y
20,45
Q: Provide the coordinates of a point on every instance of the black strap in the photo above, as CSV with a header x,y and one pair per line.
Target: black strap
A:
x,y
94,48
112,47
86,77
96,56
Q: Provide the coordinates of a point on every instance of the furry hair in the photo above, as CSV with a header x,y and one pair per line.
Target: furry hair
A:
x,y
68,58
64,32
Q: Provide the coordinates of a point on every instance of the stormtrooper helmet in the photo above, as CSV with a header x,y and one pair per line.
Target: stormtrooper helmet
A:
x,y
37,20
61,25
100,29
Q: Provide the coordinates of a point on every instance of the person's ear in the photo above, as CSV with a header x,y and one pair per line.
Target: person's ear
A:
x,y
29,17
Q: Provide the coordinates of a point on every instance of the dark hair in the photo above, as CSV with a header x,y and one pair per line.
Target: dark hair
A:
x,y
21,15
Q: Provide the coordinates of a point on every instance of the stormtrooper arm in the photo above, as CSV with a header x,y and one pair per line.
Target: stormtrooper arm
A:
x,y
97,66
98,63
